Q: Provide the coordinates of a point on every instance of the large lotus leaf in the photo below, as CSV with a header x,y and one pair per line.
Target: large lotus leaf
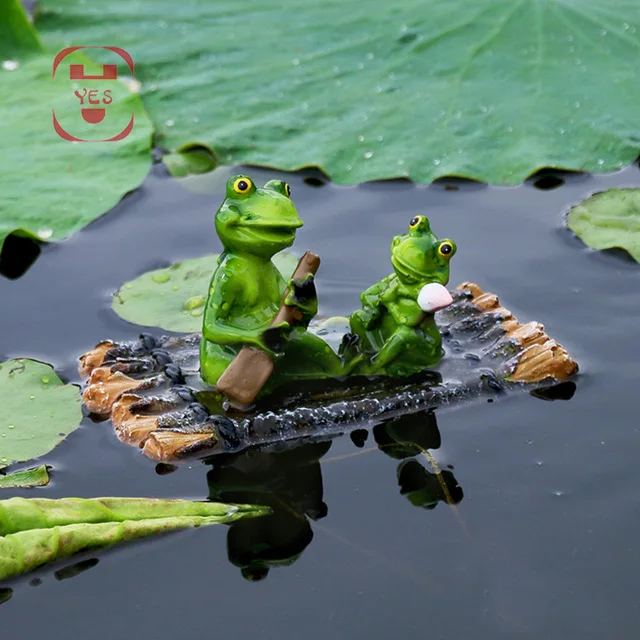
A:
x,y
174,298
490,90
52,187
609,220
37,410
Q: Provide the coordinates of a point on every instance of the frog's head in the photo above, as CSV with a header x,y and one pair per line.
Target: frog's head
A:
x,y
258,221
418,257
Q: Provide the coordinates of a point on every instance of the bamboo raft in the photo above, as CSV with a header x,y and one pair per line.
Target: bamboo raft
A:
x,y
154,397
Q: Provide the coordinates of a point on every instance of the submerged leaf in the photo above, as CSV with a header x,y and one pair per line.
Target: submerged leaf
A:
x,y
609,220
37,410
38,477
51,186
38,531
174,298
366,90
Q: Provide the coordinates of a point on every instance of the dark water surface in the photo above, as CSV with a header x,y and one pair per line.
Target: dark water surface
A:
x,y
544,543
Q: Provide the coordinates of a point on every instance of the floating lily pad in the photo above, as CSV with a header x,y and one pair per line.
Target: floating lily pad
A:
x,y
174,298
37,410
609,220
489,90
37,531
38,477
188,161
53,187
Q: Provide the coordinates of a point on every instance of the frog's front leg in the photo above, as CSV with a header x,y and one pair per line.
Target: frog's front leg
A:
x,y
373,303
363,322
217,330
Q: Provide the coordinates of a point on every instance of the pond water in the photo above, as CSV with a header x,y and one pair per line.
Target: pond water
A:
x,y
541,537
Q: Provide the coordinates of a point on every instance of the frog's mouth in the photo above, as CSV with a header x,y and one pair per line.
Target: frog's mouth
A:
x,y
276,233
411,274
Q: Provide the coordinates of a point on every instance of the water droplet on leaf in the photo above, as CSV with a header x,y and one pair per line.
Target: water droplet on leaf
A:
x,y
194,303
161,278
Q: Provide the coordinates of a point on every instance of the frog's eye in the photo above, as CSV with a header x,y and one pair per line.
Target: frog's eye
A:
x,y
414,222
287,189
445,249
242,185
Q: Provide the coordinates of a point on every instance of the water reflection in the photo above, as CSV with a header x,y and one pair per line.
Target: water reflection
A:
x,y
409,436
5,595
17,254
75,569
290,482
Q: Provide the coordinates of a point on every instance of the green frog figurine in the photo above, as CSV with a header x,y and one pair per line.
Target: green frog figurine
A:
x,y
246,289
396,330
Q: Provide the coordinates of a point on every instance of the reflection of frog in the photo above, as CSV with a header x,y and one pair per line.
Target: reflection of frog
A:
x,y
395,335
407,436
246,289
290,482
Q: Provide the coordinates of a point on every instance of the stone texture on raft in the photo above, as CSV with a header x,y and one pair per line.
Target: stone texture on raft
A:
x,y
151,389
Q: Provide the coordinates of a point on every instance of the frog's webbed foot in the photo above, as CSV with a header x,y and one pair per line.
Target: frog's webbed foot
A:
x,y
275,338
350,353
349,347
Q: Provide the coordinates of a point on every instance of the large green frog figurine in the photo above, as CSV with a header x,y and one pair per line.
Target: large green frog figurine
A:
x,y
396,331
246,289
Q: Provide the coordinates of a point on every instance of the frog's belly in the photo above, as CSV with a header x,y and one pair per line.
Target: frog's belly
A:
x,y
255,319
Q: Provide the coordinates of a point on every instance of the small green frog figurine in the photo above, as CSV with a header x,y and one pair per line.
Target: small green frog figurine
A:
x,y
396,331
246,289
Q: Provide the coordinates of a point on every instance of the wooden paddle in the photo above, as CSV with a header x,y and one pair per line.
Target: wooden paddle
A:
x,y
249,371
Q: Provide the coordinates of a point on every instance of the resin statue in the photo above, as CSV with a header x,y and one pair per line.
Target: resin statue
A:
x,y
247,290
396,330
